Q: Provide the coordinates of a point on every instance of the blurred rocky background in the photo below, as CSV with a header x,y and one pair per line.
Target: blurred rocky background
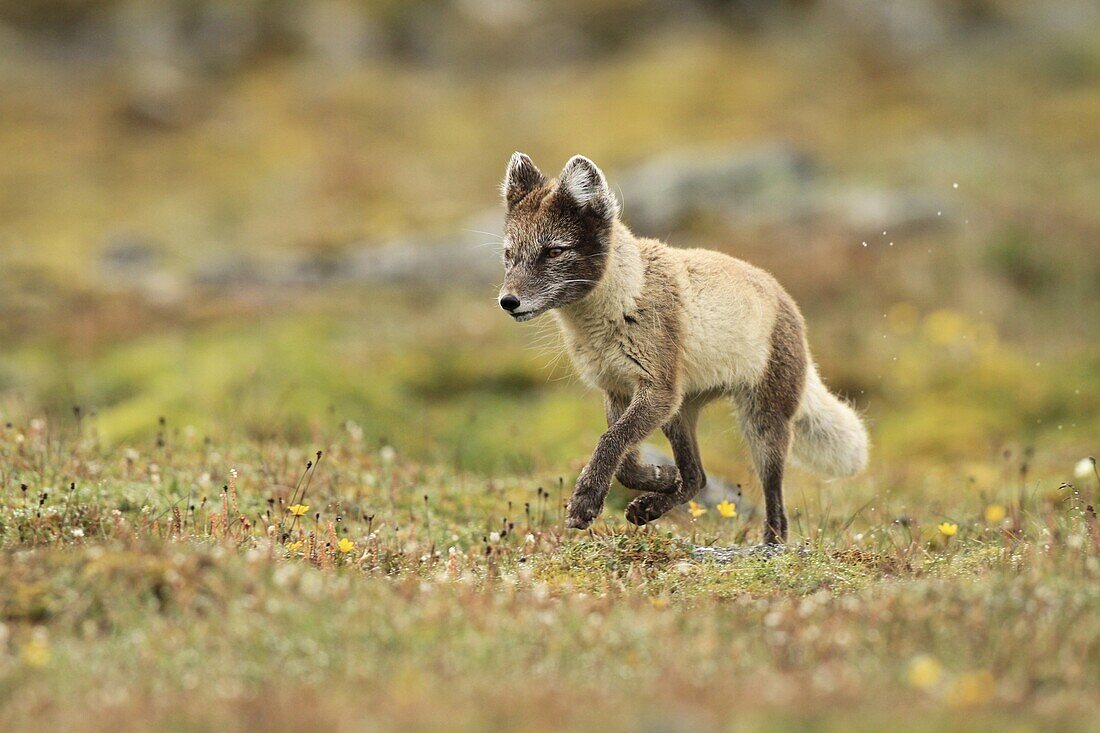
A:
x,y
275,216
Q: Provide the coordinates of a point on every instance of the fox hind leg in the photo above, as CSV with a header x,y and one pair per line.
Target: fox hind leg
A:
x,y
769,439
680,431
767,410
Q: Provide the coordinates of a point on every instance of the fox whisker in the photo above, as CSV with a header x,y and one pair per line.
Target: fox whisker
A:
x,y
487,234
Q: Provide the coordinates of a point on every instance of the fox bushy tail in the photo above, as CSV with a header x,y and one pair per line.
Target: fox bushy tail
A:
x,y
829,436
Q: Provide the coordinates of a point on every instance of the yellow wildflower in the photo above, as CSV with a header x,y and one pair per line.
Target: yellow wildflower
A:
x,y
294,546
36,652
345,545
948,529
972,688
659,603
299,510
696,510
924,672
726,509
944,327
995,513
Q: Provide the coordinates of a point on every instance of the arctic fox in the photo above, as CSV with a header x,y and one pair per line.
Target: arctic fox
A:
x,y
661,332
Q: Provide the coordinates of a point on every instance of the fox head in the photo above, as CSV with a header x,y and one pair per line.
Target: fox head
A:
x,y
557,235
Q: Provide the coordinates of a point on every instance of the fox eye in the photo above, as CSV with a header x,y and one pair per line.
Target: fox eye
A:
x,y
554,252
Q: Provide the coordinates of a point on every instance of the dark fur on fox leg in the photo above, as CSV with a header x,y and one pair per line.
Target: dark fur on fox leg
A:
x,y
680,431
649,407
767,410
632,473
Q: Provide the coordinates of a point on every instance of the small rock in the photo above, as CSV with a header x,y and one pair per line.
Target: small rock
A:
x,y
436,261
468,257
131,262
667,192
127,256
873,209
729,554
230,272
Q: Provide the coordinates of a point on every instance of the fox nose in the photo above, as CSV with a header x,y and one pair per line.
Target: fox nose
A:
x,y
509,302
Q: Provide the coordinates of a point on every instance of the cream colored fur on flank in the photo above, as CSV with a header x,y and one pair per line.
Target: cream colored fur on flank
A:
x,y
728,313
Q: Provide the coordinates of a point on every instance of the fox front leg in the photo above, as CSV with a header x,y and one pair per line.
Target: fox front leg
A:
x,y
632,472
649,408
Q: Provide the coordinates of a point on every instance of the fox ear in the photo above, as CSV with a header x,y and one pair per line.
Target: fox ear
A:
x,y
520,179
585,184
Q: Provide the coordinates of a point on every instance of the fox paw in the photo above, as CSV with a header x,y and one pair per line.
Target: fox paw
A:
x,y
582,511
648,507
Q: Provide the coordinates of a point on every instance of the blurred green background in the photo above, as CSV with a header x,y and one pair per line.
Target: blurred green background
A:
x,y
274,220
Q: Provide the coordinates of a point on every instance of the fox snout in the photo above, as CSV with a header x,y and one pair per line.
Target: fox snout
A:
x,y
521,296
520,309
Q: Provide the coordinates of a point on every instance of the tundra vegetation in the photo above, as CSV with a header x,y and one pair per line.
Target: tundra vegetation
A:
x,y
265,465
